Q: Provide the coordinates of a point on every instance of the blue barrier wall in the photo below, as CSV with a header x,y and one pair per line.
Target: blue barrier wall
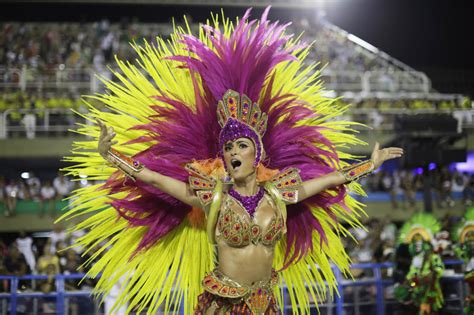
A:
x,y
339,305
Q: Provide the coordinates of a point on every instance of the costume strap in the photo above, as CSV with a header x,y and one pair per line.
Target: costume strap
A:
x,y
209,192
127,165
357,170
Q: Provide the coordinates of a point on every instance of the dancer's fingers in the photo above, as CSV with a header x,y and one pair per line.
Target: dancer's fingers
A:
x,y
377,146
108,138
102,128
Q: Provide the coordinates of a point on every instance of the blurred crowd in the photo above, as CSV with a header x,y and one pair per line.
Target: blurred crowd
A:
x,y
46,46
32,113
66,100
403,187
46,256
46,192
446,186
378,242
50,255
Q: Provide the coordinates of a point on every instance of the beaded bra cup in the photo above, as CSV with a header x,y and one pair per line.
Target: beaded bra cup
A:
x,y
239,229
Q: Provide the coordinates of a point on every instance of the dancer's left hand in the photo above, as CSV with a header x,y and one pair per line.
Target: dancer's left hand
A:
x,y
381,155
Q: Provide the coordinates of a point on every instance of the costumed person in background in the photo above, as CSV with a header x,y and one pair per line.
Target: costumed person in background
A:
x,y
463,235
422,284
232,146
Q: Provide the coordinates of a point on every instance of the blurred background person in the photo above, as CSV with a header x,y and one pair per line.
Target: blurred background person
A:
x,y
25,246
48,199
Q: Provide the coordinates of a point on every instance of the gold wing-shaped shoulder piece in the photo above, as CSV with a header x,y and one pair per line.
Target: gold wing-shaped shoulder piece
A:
x,y
202,184
287,183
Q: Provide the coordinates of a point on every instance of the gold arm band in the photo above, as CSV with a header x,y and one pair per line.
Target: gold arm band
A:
x,y
357,170
124,163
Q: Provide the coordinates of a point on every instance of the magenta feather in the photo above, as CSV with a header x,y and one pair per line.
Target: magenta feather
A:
x,y
242,62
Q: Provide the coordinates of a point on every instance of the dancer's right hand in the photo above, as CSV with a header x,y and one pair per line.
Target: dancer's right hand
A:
x,y
105,139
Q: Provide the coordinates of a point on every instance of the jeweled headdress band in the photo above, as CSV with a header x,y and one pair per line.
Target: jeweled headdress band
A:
x,y
239,117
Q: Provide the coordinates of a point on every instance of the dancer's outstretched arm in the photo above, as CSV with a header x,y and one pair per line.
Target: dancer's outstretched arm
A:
x,y
316,185
176,188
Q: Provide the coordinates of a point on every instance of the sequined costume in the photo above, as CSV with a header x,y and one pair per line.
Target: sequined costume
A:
x,y
171,111
463,235
423,279
236,227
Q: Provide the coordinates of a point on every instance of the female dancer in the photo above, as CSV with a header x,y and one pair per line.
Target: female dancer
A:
x,y
249,222
230,138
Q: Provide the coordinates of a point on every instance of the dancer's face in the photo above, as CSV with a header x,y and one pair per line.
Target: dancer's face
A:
x,y
239,157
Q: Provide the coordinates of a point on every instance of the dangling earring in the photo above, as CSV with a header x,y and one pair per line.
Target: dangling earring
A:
x,y
227,178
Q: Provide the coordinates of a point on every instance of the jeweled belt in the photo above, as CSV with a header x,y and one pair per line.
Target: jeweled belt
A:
x,y
257,296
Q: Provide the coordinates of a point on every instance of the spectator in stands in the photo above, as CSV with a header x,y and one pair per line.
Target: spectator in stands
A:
x,y
418,182
48,305
61,253
375,181
407,185
29,121
112,297
48,195
395,189
375,119
48,259
23,192
11,190
459,183
35,191
468,193
62,185
3,196
25,246
73,239
3,271
33,180
57,235
446,188
4,284
389,230
437,185
362,252
72,264
386,181
402,260
16,265
3,248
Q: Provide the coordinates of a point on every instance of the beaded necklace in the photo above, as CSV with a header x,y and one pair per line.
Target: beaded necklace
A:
x,y
249,202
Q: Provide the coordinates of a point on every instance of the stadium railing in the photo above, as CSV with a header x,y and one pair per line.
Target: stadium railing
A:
x,y
61,120
341,303
86,79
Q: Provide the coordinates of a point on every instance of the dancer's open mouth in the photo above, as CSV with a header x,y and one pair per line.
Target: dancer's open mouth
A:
x,y
235,163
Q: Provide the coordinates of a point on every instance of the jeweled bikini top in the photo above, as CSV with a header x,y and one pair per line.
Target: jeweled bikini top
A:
x,y
237,228
223,210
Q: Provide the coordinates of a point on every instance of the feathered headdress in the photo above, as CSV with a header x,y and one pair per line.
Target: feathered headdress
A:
x,y
462,230
160,244
424,225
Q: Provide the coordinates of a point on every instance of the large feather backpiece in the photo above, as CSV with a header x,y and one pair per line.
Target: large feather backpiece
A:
x,y
163,109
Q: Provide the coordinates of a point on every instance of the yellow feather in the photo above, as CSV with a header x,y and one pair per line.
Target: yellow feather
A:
x,y
169,273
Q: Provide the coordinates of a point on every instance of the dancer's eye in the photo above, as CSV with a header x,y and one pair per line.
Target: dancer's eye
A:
x,y
243,146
